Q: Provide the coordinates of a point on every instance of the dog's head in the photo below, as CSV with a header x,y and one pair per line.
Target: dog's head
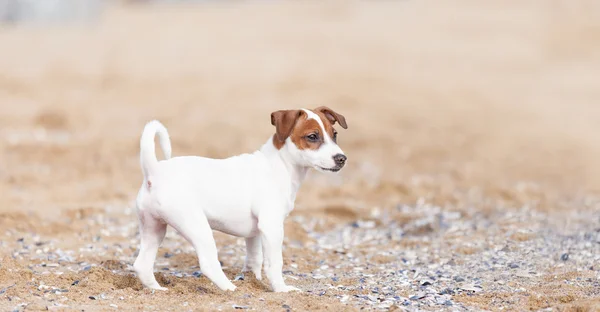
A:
x,y
309,138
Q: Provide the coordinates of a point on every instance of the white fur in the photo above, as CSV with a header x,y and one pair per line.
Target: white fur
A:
x,y
248,196
147,154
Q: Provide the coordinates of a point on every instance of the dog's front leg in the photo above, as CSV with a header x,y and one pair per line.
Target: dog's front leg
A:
x,y
271,235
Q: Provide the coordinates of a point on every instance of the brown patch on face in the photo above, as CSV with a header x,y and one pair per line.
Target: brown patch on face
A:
x,y
307,134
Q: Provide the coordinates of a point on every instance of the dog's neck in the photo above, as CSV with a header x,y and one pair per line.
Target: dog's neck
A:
x,y
279,158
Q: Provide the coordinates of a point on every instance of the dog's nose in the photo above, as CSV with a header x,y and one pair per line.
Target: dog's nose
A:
x,y
340,159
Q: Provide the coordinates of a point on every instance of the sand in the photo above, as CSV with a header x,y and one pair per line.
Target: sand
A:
x,y
462,106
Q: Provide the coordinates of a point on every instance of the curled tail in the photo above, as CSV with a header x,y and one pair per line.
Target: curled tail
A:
x,y
148,158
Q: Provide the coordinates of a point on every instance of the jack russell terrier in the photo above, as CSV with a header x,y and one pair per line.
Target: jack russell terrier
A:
x,y
248,195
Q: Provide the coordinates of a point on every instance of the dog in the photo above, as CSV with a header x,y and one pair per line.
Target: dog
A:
x,y
247,195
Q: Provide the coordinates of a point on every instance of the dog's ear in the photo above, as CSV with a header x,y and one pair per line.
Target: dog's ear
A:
x,y
284,121
332,116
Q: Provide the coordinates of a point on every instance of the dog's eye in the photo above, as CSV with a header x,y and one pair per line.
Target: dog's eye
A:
x,y
313,137
335,137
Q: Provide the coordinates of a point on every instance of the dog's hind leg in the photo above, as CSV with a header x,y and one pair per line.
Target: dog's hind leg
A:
x,y
196,229
254,257
152,233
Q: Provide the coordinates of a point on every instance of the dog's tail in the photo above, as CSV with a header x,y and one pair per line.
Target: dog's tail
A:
x,y
148,159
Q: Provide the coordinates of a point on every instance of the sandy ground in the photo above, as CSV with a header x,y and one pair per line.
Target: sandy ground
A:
x,y
486,110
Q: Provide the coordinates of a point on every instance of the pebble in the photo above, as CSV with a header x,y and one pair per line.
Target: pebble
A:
x,y
564,257
418,296
239,307
7,288
239,277
470,287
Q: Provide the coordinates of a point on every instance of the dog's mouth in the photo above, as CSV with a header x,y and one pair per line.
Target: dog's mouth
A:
x,y
334,169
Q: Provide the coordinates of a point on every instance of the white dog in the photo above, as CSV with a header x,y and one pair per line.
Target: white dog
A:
x,y
248,195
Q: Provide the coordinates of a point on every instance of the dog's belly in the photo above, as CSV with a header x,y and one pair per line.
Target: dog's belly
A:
x,y
241,226
222,189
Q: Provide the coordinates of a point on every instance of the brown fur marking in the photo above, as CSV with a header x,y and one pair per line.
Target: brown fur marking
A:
x,y
305,127
296,125
332,116
284,122
326,124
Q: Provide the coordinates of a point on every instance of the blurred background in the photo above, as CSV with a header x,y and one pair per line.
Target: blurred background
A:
x,y
461,104
482,94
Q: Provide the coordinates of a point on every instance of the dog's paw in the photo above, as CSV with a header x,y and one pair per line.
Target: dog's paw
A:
x,y
230,288
257,272
159,289
286,288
